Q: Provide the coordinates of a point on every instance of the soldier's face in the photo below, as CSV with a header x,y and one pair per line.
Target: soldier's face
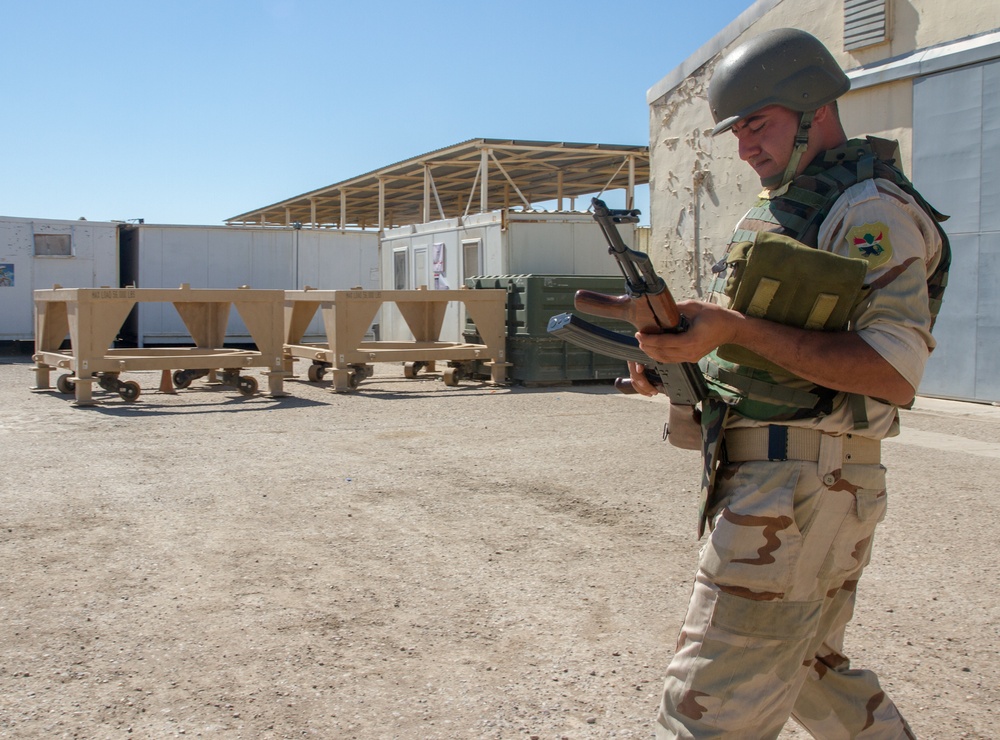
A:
x,y
766,139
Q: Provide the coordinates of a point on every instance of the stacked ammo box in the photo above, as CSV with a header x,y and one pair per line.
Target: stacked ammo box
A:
x,y
536,357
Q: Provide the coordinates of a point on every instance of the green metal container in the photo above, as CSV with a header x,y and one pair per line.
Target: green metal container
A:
x,y
534,299
538,360
536,356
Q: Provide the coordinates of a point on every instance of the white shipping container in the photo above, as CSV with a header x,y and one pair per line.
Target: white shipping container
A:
x,y
36,254
164,256
442,254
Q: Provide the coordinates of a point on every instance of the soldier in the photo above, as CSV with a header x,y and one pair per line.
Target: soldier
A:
x,y
821,334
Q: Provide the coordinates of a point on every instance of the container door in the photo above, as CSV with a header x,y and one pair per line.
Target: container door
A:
x,y
472,266
420,271
472,258
400,272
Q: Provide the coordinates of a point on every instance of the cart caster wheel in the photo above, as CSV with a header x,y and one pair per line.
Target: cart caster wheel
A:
x,y
247,385
129,390
452,375
181,379
65,385
316,373
410,369
359,373
109,382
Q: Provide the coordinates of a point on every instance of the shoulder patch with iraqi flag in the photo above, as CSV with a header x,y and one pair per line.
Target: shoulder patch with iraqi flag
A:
x,y
870,242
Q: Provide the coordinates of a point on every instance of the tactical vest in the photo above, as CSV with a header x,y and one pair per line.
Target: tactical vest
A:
x,y
798,212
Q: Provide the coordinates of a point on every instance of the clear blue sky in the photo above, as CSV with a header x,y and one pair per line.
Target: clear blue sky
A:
x,y
193,111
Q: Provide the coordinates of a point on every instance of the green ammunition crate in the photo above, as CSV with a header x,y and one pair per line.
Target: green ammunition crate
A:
x,y
537,360
536,356
534,299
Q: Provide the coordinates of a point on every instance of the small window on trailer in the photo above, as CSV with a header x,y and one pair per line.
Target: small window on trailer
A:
x,y
53,245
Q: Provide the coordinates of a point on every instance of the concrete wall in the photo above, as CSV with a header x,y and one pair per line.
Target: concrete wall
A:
x,y
699,188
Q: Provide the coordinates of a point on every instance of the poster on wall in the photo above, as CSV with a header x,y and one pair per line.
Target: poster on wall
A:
x,y
6,275
437,264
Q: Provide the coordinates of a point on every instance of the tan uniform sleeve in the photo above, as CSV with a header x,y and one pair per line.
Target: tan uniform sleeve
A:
x,y
877,221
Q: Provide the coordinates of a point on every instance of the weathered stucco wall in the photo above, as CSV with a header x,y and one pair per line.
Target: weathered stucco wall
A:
x,y
690,170
699,188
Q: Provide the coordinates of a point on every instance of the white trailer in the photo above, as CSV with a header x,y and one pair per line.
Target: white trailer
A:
x,y
36,254
226,257
440,255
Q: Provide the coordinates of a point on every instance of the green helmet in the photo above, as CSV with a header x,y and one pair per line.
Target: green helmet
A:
x,y
785,67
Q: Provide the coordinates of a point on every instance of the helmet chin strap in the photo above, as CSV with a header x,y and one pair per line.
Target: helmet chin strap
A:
x,y
801,143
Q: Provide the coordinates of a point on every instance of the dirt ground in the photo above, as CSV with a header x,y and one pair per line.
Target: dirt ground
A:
x,y
420,561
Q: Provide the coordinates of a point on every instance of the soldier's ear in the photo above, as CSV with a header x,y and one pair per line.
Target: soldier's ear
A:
x,y
825,113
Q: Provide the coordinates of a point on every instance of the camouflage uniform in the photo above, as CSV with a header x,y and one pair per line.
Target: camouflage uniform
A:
x,y
777,577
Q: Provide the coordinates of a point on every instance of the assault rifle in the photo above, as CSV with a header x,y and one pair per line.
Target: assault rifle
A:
x,y
647,305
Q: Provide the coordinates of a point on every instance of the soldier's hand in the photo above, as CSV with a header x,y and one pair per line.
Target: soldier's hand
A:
x,y
709,326
640,383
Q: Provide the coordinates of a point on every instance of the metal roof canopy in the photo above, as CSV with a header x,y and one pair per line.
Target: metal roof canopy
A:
x,y
474,176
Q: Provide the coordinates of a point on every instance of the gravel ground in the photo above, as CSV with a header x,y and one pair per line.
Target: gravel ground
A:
x,y
420,561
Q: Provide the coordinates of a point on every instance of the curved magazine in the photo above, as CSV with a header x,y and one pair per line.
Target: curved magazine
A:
x,y
683,382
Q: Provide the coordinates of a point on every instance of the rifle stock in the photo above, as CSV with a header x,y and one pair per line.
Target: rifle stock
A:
x,y
638,312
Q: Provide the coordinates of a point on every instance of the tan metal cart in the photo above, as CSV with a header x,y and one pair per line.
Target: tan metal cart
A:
x,y
347,315
92,318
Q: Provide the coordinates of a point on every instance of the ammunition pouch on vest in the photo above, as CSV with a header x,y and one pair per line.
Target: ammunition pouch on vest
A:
x,y
780,279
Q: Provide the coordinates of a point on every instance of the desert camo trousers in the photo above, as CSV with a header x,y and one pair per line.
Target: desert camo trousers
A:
x,y
775,589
